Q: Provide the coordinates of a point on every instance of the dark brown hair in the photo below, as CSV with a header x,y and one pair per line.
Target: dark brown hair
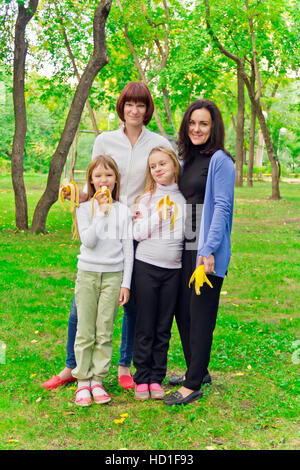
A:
x,y
217,134
107,162
136,91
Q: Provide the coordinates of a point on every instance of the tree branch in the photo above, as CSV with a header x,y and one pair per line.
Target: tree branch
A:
x,y
254,53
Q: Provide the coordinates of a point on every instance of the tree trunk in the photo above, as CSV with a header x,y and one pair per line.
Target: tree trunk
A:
x,y
17,169
240,130
74,157
252,132
71,55
251,147
98,60
168,109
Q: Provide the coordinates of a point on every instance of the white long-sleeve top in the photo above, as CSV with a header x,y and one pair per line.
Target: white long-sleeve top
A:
x,y
158,244
106,240
131,161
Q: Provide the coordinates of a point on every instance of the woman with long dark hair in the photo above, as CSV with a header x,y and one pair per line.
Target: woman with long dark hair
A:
x,y
207,183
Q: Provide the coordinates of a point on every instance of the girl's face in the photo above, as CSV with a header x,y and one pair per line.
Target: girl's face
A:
x,y
102,176
134,113
200,126
162,168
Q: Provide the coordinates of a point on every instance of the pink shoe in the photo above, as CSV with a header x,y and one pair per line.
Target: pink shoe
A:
x,y
156,391
141,392
126,381
56,381
101,396
86,401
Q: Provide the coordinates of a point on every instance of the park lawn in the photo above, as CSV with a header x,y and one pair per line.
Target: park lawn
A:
x,y
252,403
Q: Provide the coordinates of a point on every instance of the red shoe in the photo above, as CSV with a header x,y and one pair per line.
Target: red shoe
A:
x,y
56,382
126,381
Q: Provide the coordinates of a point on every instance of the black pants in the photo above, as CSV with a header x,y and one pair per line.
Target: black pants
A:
x,y
155,291
196,319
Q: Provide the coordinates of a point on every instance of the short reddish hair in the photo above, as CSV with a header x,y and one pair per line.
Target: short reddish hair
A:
x,y
136,91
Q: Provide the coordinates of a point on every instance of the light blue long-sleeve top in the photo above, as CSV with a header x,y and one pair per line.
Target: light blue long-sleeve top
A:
x,y
216,222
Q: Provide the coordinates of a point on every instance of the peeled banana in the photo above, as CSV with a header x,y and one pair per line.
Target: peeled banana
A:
x,y
70,189
104,191
200,278
163,204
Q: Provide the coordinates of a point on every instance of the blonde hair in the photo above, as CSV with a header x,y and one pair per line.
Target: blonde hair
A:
x,y
107,162
150,185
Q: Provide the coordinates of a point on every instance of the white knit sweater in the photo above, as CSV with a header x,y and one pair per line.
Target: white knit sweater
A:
x,y
107,244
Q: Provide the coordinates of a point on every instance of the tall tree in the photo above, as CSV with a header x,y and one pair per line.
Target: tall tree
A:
x,y
98,60
25,14
240,129
267,28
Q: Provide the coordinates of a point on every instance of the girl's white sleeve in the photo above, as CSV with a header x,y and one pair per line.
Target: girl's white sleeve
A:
x,y
89,227
144,224
127,244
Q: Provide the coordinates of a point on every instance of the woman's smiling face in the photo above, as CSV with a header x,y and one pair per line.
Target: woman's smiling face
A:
x,y
200,126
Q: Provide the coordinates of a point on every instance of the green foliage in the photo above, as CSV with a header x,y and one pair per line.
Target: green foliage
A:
x,y
253,400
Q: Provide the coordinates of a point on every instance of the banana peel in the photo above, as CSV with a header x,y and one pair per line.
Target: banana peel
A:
x,y
200,278
104,191
70,189
163,204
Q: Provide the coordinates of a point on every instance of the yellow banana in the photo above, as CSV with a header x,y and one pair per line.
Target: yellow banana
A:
x,y
200,278
163,204
104,191
70,189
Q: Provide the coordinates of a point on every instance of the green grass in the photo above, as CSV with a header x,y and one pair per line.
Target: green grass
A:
x,y
252,403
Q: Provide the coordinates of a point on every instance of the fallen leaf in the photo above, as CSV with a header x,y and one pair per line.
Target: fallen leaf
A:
x,y
13,440
236,305
218,441
38,400
224,292
240,373
34,341
66,413
33,375
124,415
119,421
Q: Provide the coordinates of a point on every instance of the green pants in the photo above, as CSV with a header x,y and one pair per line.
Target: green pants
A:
x,y
97,302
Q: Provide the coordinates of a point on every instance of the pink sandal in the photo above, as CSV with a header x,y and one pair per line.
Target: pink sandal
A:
x,y
86,401
100,397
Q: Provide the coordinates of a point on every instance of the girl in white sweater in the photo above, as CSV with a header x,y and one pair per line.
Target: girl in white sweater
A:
x,y
103,277
159,231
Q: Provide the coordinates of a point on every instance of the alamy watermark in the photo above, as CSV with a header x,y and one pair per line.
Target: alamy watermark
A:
x,y
296,353
2,93
2,352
